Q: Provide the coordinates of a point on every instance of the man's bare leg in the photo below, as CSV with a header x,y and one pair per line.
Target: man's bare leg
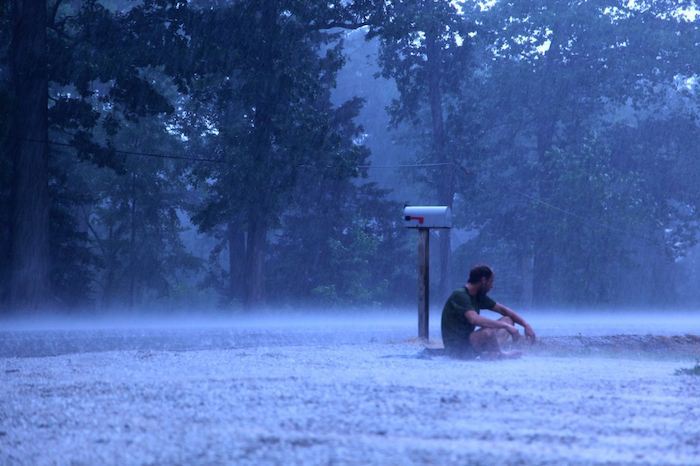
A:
x,y
488,341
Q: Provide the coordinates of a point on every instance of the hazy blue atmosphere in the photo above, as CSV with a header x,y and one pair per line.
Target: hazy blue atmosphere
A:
x,y
204,255
214,154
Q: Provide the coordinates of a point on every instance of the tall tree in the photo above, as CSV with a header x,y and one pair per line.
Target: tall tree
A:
x,y
95,77
422,50
273,119
555,75
5,153
135,227
29,275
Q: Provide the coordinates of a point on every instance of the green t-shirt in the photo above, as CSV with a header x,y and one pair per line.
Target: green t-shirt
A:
x,y
454,324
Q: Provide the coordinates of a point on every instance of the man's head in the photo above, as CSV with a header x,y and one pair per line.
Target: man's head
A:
x,y
481,277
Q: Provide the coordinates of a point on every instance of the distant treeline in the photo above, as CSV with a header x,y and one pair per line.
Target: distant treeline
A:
x,y
172,153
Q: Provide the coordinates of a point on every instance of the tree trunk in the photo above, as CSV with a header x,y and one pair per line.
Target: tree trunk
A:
x,y
236,258
29,250
255,262
445,182
5,223
132,242
266,102
109,254
546,117
544,250
525,259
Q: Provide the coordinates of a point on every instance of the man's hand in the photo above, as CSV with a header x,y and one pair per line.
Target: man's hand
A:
x,y
530,334
513,332
506,311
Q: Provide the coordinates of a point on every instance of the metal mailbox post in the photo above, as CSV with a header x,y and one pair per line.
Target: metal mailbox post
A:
x,y
424,218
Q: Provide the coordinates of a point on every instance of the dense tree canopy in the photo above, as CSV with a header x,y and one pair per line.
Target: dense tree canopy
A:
x,y
198,152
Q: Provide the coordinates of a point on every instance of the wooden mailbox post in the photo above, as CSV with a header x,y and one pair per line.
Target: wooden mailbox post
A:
x,y
425,218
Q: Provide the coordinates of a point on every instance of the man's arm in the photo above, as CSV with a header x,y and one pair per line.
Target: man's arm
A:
x,y
485,322
506,311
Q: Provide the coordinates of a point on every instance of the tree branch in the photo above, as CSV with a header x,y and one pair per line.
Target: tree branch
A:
x,y
54,12
339,25
98,240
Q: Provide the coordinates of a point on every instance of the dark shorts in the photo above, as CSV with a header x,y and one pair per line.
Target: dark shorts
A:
x,y
461,350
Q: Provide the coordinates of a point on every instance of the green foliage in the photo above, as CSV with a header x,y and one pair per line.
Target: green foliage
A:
x,y
136,224
114,221
572,127
341,244
273,118
580,113
603,204
404,34
73,264
272,114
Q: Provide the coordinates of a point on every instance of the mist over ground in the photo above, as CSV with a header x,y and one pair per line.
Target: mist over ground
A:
x,y
549,322
351,388
204,256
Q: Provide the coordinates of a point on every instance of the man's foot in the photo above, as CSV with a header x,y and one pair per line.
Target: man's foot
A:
x,y
511,354
495,355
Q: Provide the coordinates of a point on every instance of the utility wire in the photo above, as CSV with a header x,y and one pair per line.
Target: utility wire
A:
x,y
135,153
582,218
220,161
532,199
411,165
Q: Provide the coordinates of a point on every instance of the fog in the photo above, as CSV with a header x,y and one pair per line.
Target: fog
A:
x,y
205,257
559,333
352,388
550,322
152,177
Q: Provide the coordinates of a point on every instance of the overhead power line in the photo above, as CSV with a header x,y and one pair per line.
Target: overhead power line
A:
x,y
568,213
224,162
530,198
134,153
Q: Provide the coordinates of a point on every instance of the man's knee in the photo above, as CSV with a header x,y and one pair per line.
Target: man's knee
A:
x,y
506,319
484,340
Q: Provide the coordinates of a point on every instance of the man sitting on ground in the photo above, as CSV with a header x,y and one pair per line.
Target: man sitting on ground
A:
x,y
461,317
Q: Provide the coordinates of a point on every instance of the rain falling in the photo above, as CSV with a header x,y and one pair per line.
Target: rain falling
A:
x,y
349,232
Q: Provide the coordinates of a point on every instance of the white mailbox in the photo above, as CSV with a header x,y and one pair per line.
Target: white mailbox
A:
x,y
424,218
416,216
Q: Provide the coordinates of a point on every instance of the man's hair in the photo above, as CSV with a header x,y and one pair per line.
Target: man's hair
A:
x,y
478,272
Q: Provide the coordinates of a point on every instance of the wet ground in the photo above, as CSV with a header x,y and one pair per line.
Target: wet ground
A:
x,y
355,390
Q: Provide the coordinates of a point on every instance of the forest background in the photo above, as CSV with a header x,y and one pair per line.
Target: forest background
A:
x,y
172,154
